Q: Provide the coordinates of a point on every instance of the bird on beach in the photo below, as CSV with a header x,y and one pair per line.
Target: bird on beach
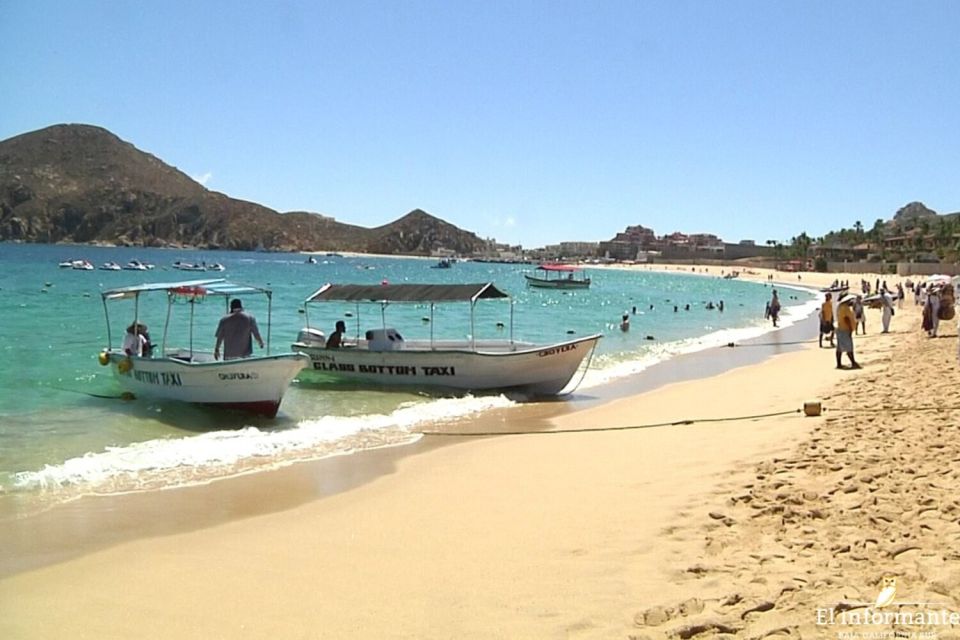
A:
x,y
886,594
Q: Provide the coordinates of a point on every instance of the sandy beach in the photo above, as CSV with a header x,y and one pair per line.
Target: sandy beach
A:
x,y
739,517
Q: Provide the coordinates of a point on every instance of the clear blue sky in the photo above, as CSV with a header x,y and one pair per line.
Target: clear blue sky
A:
x,y
532,122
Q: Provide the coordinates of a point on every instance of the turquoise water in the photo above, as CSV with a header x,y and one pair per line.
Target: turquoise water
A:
x,y
64,433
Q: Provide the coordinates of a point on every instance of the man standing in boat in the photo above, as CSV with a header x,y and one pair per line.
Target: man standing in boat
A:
x,y
236,332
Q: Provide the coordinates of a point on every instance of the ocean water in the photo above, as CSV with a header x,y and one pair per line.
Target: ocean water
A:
x,y
65,433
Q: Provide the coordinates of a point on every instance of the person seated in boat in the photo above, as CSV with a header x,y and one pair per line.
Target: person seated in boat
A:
x,y
137,341
147,342
236,332
335,340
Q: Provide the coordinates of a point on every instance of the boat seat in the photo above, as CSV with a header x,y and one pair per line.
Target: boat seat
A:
x,y
384,340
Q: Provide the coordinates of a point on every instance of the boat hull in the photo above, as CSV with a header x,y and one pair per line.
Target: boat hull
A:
x,y
255,385
539,370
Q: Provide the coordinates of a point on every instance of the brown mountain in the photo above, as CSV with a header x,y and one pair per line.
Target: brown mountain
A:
x,y
80,183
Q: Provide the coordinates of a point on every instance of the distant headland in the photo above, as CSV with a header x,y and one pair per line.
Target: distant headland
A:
x,y
79,183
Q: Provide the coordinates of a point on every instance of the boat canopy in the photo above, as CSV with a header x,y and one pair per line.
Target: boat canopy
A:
x,y
215,287
559,267
406,292
189,290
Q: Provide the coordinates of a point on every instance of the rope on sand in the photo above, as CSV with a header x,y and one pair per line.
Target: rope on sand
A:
x,y
674,423
810,409
768,344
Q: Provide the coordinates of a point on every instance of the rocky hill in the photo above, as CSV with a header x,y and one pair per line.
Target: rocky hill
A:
x,y
80,183
910,213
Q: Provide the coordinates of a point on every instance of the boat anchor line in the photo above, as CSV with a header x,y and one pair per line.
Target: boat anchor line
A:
x,y
632,427
125,395
809,409
583,373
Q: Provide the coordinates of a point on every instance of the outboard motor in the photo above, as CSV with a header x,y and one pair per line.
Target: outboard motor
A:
x,y
311,337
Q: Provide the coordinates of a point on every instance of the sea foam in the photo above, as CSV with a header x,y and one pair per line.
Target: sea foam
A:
x,y
176,462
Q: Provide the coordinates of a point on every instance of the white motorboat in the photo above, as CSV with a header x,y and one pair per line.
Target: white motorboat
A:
x,y
558,276
82,265
383,358
188,266
110,266
254,384
136,265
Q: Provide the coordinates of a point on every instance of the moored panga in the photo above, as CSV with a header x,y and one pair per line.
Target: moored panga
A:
x,y
255,384
381,356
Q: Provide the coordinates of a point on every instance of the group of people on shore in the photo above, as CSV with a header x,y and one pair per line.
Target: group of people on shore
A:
x,y
851,319
937,298
846,325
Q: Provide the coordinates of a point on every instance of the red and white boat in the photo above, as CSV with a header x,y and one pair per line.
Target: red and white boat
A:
x,y
558,276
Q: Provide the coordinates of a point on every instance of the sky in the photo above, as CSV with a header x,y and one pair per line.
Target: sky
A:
x,y
532,122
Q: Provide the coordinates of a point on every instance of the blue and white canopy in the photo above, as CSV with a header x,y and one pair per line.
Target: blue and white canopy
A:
x,y
215,287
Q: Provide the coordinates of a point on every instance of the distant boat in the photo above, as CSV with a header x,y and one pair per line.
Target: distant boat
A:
x,y
443,264
216,266
188,266
311,260
83,265
110,266
136,265
558,276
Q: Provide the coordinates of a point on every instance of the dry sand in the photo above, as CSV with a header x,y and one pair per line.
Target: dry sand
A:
x,y
745,527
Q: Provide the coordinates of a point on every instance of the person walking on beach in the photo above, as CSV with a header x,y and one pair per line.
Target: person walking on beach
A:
x,y
774,308
846,324
826,319
859,315
236,332
933,303
887,313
